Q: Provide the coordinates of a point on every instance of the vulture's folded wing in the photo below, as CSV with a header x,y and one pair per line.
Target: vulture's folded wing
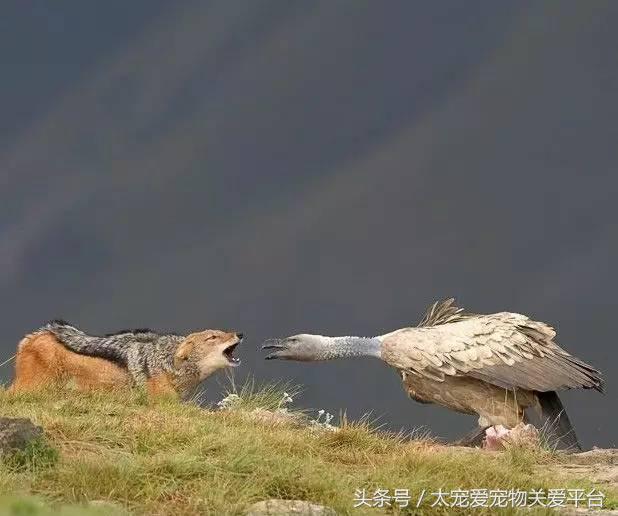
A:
x,y
505,349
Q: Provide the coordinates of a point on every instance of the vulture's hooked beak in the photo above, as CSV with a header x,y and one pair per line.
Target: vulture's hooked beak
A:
x,y
279,345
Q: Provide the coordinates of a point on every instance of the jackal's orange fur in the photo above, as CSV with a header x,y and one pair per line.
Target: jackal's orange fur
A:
x,y
42,360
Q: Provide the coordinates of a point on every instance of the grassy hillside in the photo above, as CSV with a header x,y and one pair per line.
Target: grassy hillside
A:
x,y
114,453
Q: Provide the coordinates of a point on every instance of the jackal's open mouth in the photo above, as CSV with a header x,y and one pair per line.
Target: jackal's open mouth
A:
x,y
229,354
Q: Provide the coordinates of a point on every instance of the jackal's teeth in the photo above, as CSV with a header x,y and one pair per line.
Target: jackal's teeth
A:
x,y
229,354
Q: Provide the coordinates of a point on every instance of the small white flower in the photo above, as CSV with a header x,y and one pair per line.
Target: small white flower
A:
x,y
318,424
229,401
285,400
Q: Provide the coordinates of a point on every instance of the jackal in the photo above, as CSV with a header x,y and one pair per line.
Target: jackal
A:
x,y
59,353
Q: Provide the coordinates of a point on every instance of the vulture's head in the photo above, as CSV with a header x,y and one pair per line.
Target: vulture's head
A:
x,y
303,347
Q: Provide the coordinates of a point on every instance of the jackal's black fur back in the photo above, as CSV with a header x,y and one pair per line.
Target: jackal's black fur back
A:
x,y
137,350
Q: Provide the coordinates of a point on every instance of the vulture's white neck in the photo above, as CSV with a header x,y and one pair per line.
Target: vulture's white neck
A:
x,y
343,347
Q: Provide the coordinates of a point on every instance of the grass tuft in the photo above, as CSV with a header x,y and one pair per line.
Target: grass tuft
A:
x,y
111,452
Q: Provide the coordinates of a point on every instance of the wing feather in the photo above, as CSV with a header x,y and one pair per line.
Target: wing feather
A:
x,y
505,349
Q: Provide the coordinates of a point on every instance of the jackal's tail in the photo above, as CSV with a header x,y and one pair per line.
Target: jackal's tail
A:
x,y
76,340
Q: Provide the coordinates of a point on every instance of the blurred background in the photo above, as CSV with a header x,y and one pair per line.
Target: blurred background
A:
x,y
331,167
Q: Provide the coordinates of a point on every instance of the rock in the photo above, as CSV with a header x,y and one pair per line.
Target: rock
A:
x,y
524,435
108,506
284,507
15,434
276,417
597,465
596,456
499,437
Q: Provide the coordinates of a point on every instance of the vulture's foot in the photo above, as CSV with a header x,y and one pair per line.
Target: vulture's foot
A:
x,y
473,439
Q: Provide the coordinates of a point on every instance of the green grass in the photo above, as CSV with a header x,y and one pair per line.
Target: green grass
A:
x,y
165,457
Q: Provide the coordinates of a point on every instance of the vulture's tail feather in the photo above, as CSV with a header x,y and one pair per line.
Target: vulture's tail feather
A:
x,y
554,422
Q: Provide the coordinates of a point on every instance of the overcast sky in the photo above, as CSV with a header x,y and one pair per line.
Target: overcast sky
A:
x,y
332,167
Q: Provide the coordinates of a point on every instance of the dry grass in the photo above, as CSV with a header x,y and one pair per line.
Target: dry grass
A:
x,y
171,458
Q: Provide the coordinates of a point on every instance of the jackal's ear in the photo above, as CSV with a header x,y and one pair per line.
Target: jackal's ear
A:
x,y
183,351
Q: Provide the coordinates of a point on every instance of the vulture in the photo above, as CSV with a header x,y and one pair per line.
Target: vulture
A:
x,y
503,367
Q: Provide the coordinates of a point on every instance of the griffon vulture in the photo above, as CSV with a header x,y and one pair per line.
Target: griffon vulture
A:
x,y
504,367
